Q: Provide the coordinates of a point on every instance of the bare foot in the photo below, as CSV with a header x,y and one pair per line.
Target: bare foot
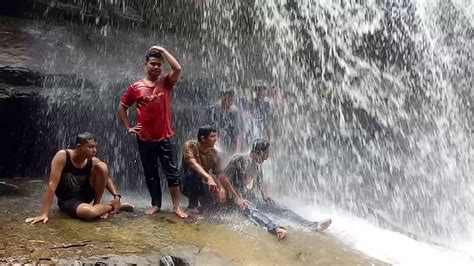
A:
x,y
116,205
194,210
104,216
181,214
126,207
323,225
152,210
281,233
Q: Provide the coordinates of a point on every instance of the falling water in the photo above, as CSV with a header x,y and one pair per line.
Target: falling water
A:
x,y
378,111
379,117
377,114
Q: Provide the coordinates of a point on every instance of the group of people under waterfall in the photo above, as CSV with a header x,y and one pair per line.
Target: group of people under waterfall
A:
x,y
79,179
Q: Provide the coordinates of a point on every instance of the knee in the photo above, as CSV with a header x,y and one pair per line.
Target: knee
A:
x,y
99,176
173,181
100,170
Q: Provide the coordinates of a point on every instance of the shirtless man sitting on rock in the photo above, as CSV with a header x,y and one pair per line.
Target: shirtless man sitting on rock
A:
x,y
78,178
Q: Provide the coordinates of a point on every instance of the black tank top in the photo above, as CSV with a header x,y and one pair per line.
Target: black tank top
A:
x,y
74,182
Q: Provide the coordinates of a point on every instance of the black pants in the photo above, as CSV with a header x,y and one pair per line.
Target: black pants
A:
x,y
256,213
150,152
260,219
286,213
196,191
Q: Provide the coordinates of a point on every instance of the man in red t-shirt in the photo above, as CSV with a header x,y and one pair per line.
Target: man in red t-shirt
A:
x,y
155,135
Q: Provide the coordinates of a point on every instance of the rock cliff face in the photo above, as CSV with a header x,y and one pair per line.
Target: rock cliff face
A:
x,y
125,14
22,107
56,80
57,70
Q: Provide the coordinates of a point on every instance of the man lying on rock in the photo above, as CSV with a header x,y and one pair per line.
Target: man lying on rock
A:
x,y
239,177
78,178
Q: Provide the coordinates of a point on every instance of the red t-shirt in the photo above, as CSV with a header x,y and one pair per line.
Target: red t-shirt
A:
x,y
153,108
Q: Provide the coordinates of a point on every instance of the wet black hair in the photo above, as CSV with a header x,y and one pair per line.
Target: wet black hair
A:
x,y
259,85
153,54
260,145
205,130
227,93
84,137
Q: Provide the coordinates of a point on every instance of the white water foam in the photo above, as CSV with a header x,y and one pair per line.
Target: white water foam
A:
x,y
385,245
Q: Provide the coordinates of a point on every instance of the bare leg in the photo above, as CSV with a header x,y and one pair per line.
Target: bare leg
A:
x,y
174,191
126,207
119,206
98,180
88,211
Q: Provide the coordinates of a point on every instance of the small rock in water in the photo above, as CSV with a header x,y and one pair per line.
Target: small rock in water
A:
x,y
172,261
304,256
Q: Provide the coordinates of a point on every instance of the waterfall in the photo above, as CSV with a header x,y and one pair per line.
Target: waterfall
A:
x,y
377,117
377,114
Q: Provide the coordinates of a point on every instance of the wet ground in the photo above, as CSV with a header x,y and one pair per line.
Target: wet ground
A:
x,y
137,238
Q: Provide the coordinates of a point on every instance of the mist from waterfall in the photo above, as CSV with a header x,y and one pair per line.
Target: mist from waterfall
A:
x,y
378,110
377,118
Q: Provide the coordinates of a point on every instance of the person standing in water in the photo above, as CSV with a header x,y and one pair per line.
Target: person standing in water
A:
x,y
154,130
226,117
77,178
257,114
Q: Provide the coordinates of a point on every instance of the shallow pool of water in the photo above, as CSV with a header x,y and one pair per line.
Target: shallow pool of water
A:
x,y
137,238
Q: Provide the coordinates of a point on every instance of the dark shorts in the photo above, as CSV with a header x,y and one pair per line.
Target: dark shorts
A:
x,y
70,205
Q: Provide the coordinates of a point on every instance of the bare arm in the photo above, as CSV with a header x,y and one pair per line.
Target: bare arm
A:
x,y
123,115
238,143
175,66
196,167
240,128
264,191
111,187
225,181
57,165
